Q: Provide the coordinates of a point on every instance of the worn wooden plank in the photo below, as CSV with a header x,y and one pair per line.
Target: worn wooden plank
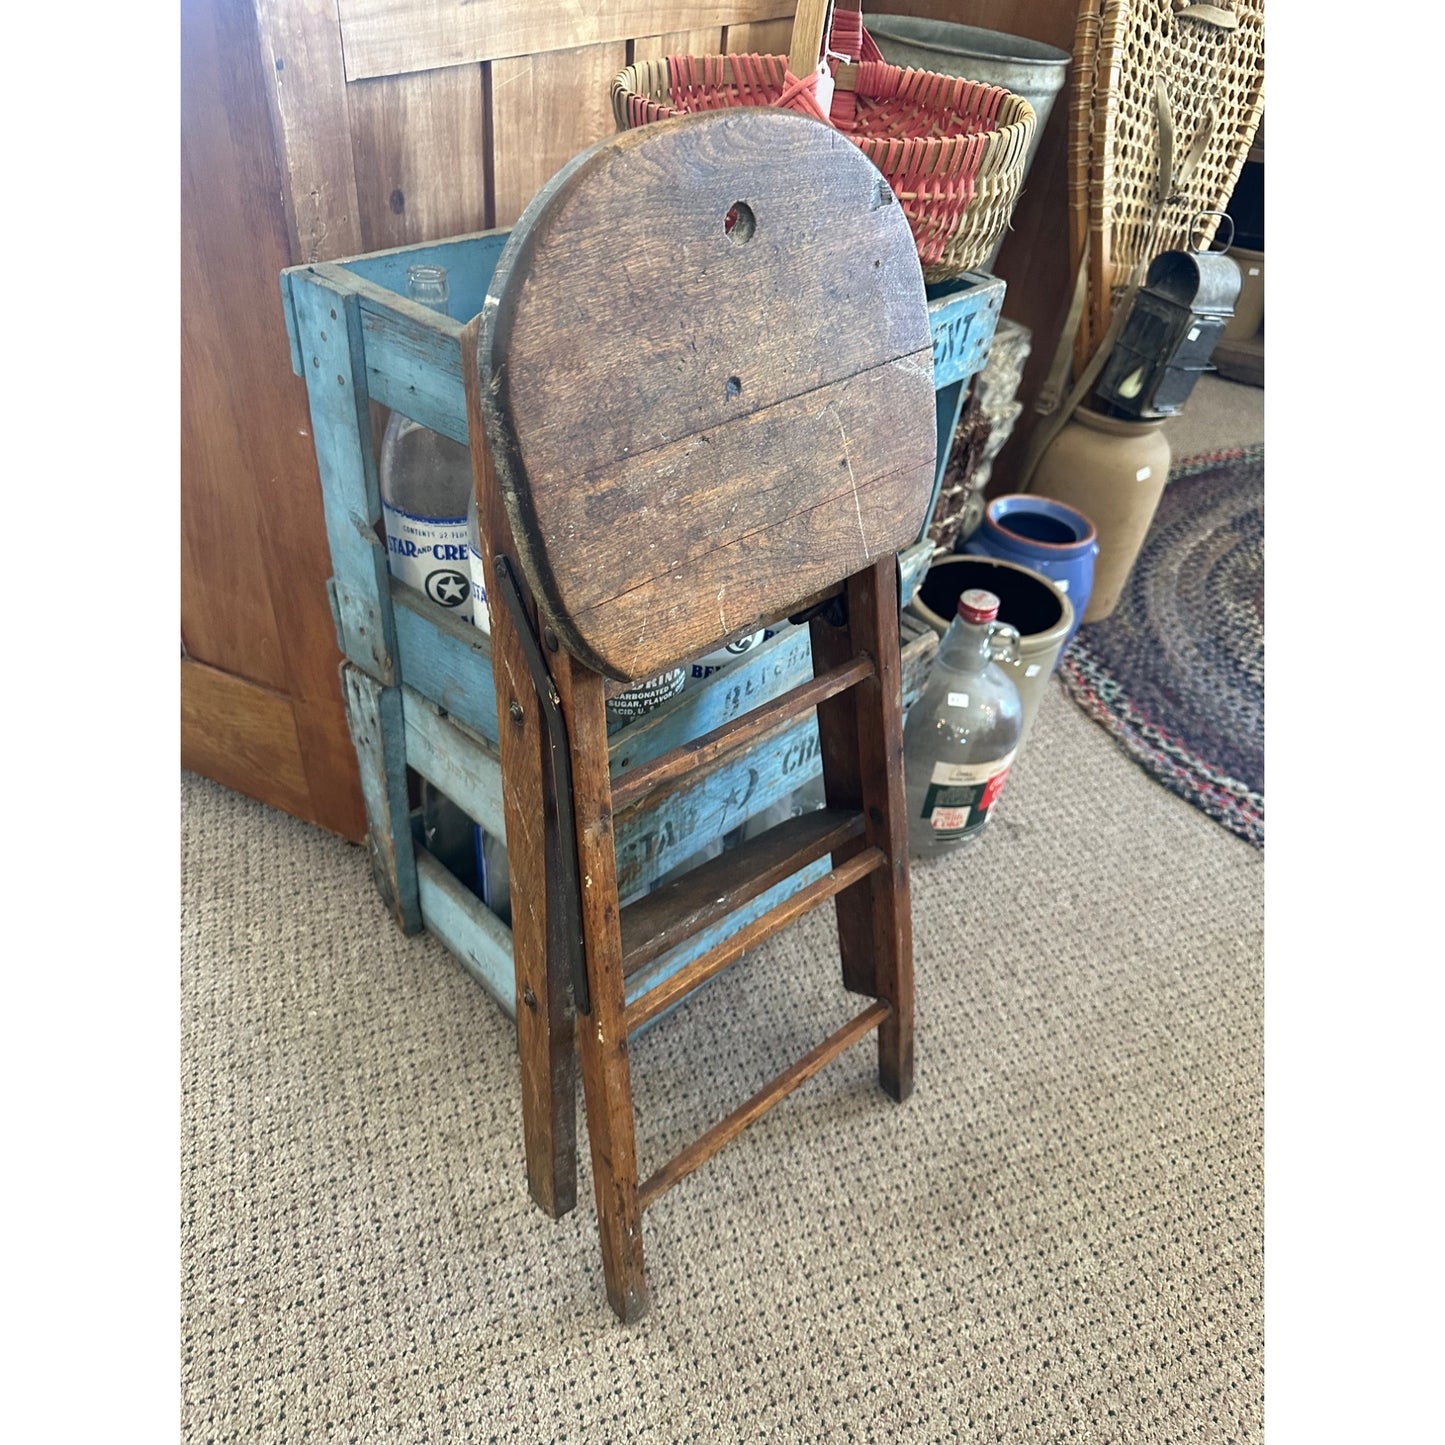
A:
x,y
715,463
387,37
688,757
413,359
753,579
476,937
545,109
373,713
457,760
419,144
226,614
301,50
629,259
702,1149
329,326
838,453
717,888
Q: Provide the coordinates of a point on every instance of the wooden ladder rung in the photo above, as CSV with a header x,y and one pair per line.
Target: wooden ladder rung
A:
x,y
678,910
702,968
678,762
703,1148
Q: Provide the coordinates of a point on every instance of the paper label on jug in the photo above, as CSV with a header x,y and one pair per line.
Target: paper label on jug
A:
x,y
961,796
1143,474
431,554
958,699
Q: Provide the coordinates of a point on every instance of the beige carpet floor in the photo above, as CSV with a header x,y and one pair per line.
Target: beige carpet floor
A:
x,y
1058,1238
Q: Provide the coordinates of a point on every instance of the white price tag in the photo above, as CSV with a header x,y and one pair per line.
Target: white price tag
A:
x,y
958,699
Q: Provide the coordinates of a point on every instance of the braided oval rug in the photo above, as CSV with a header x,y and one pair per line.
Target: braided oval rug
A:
x,y
1176,674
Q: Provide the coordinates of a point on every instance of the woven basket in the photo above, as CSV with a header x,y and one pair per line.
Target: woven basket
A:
x,y
953,150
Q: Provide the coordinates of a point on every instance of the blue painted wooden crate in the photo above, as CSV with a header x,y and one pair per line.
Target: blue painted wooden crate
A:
x,y
418,682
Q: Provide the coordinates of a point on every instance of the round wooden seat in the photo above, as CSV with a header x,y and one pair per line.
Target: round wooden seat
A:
x,y
707,380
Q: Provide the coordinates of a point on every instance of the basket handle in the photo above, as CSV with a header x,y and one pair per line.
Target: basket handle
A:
x,y
810,25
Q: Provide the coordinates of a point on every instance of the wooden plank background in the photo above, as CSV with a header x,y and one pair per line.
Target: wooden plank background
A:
x,y
316,129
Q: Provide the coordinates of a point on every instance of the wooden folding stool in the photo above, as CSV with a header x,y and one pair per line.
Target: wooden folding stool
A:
x,y
704,371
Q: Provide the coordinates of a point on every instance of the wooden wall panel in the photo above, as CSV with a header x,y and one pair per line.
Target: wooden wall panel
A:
x,y
305,84
419,144
678,42
390,37
546,108
761,37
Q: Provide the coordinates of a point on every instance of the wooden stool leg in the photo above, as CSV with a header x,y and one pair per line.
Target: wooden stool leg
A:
x,y
602,1034
544,1000
544,1003
861,744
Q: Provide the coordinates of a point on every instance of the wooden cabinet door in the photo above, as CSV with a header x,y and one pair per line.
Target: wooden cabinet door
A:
x,y
261,707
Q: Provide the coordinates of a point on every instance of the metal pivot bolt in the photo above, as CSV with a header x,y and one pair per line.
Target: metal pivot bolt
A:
x,y
516,712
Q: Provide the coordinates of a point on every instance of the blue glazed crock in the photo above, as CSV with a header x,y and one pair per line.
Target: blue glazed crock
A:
x,y
1047,536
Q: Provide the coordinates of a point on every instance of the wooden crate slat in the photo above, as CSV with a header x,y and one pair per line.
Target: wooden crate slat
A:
x,y
388,37
414,366
373,715
470,261
330,331
445,660
458,761
962,315
478,939
756,677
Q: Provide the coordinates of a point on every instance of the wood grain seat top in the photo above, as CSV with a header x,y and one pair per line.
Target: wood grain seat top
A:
x,y
707,380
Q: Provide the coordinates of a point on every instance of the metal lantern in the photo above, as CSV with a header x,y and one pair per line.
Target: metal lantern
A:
x,y
1177,317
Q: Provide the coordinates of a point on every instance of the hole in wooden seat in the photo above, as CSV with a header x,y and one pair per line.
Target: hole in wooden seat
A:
x,y
734,386
740,223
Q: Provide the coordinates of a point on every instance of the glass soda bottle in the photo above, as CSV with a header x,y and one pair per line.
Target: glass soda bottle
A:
x,y
425,481
962,734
